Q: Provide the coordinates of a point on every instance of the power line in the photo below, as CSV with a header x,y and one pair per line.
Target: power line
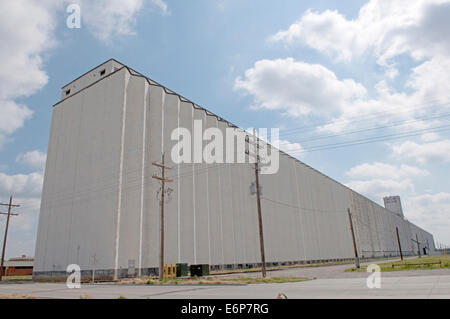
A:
x,y
357,119
299,150
370,140
130,181
315,210
394,124
307,140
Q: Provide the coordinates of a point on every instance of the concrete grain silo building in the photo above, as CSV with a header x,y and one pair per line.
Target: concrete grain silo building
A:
x,y
100,206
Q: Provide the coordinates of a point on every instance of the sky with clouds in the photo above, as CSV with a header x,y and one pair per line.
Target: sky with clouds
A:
x,y
359,89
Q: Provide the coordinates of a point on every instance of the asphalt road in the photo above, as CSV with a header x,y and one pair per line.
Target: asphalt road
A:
x,y
434,286
331,282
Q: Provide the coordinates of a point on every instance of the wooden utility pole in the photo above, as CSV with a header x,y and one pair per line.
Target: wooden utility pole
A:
x,y
418,245
399,244
9,214
261,232
163,180
94,262
258,203
353,238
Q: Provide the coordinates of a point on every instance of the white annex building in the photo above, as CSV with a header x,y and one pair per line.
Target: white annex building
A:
x,y
100,207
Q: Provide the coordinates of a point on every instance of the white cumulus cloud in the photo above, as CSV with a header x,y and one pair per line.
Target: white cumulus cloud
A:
x,y
26,29
376,180
34,159
383,170
383,30
23,185
383,27
26,191
424,153
27,33
376,189
161,5
109,18
432,211
293,149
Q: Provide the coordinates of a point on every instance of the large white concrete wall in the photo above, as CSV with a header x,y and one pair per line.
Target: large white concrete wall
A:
x,y
90,77
99,197
80,193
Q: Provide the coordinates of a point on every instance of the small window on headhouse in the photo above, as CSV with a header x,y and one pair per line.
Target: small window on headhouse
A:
x,y
102,72
67,92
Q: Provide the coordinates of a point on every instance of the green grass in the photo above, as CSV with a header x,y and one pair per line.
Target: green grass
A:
x,y
272,280
17,278
224,281
258,269
410,264
15,296
318,264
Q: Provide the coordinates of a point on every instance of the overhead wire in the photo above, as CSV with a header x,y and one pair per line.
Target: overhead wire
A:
x,y
189,172
107,178
364,118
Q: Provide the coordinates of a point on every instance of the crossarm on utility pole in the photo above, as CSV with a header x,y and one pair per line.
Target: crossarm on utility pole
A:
x,y
9,214
258,203
163,180
161,165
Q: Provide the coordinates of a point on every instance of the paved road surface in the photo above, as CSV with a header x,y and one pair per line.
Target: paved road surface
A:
x,y
331,282
435,286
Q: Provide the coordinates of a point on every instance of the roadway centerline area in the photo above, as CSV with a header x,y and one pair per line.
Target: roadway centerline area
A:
x,y
329,281
431,286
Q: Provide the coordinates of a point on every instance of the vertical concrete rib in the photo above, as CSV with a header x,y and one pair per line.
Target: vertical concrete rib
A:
x,y
220,206
141,216
163,101
119,197
208,207
193,190
299,210
232,213
179,191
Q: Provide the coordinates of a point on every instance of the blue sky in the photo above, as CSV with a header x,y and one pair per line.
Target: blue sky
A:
x,y
315,69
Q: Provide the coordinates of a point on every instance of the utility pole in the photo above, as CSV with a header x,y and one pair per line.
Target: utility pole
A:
x,y
163,180
418,245
258,203
9,214
353,238
94,262
399,244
